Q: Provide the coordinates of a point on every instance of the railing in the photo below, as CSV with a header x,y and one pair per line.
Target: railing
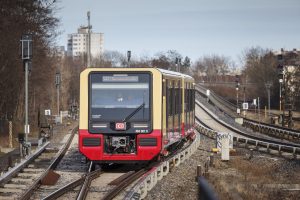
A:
x,y
249,141
229,108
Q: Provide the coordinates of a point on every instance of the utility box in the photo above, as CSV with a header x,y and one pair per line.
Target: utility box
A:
x,y
225,149
222,135
224,144
239,120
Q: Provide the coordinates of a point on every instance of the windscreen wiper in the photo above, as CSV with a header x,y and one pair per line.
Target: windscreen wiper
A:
x,y
134,112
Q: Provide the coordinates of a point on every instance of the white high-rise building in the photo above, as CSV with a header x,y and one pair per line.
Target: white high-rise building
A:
x,y
78,43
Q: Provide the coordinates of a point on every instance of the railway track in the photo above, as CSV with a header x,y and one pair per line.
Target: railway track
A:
x,y
22,180
267,129
122,183
243,139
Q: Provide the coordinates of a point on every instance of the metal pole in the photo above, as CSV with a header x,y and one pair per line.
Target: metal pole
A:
x,y
237,99
10,135
26,127
283,103
279,96
268,87
244,100
89,41
57,89
269,102
258,107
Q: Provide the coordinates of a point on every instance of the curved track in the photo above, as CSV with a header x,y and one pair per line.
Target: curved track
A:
x,y
122,182
256,142
268,129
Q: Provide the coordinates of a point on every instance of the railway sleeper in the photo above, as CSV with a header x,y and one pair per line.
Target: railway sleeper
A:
x,y
160,172
10,191
15,186
176,160
33,170
27,175
10,197
151,180
21,181
143,191
166,168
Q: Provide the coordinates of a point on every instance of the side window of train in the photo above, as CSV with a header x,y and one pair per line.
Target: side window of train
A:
x,y
170,103
176,106
179,98
170,98
189,105
193,99
167,102
175,98
185,105
193,105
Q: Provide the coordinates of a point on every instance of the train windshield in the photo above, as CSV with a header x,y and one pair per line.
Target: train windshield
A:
x,y
119,97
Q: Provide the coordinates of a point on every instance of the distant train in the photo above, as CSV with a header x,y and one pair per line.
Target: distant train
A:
x,y
133,115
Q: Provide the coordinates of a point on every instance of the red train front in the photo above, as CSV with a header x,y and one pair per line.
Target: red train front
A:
x,y
125,116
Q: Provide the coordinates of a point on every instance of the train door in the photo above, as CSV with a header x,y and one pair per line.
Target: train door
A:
x,y
177,108
170,106
164,112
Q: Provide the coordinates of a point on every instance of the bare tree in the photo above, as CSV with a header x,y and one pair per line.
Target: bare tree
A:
x,y
161,61
16,18
261,68
211,66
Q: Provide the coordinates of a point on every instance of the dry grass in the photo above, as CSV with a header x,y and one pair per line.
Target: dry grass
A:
x,y
241,178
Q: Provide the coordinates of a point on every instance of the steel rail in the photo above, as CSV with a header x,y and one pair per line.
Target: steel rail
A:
x,y
282,131
202,90
26,195
70,186
150,178
243,133
56,194
10,174
215,99
249,139
279,132
124,183
91,175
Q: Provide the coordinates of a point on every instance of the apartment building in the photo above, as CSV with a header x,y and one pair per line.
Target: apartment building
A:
x,y
78,43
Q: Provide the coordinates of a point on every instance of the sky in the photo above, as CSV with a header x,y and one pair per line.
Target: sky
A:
x,y
194,28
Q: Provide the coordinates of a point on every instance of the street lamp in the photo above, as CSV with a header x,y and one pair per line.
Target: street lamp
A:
x,y
26,49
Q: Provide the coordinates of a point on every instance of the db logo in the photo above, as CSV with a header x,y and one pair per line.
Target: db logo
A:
x,y
120,126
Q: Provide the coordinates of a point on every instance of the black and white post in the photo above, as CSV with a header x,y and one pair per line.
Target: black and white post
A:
x,y
237,81
26,48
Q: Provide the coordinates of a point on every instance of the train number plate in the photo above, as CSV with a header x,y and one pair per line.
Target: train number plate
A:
x,y
120,126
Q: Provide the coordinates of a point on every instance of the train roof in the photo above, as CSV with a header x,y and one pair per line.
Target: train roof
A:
x,y
173,73
162,71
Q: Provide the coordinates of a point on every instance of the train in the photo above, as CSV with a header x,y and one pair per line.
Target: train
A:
x,y
134,115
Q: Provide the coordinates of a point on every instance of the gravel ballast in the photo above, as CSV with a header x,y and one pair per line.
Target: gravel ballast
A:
x,y
180,183
242,177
